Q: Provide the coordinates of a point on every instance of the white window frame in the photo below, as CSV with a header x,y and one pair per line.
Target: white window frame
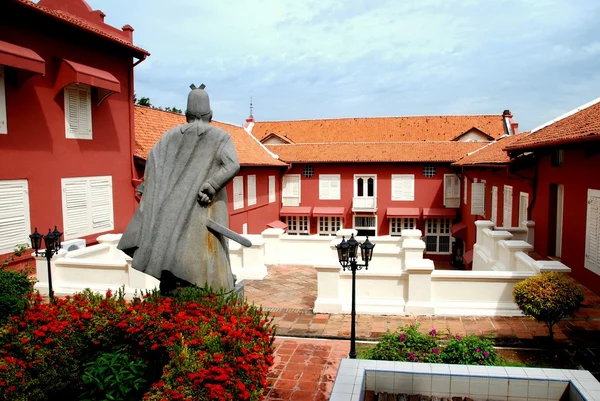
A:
x,y
466,184
523,205
478,198
592,232
75,108
365,178
288,197
397,224
84,202
272,195
329,225
451,191
238,192
403,187
298,225
354,226
251,182
14,210
3,115
438,227
507,206
494,213
330,187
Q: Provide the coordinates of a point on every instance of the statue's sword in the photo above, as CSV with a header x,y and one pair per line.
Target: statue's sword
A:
x,y
226,232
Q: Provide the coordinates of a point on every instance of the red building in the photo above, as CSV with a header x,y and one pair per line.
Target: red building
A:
x,y
66,120
377,175
254,195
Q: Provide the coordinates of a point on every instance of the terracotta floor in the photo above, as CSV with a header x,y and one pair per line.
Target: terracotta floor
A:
x,y
305,368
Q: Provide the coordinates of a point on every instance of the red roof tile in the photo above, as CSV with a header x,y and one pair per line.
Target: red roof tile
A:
x,y
380,129
581,124
375,152
151,124
72,20
492,153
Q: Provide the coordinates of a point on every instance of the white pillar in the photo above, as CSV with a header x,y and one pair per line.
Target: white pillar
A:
x,y
328,290
272,238
530,232
419,287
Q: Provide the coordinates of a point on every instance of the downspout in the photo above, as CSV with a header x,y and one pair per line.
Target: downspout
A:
x,y
534,185
134,178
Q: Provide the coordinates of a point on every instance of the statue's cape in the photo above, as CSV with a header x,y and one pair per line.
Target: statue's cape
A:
x,y
168,230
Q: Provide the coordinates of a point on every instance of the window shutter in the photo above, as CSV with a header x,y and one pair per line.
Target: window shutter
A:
x,y
403,187
75,207
334,187
238,193
466,183
3,117
329,186
101,204
85,113
71,111
251,190
14,214
78,112
478,198
272,196
291,190
507,209
592,232
324,192
451,191
494,216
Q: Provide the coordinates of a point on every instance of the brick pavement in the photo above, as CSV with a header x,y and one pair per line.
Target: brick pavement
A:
x,y
288,294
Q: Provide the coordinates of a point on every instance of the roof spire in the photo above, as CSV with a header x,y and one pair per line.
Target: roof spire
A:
x,y
250,120
251,116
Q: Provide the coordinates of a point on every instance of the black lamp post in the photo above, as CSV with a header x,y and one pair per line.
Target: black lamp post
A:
x,y
347,255
52,244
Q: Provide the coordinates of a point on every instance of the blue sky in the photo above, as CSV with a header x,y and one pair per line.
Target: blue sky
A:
x,y
315,59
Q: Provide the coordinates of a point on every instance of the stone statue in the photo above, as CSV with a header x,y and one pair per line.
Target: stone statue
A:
x,y
177,232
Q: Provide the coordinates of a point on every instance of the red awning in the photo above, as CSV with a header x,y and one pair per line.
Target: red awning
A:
x,y
295,211
277,224
328,211
21,57
459,231
403,212
468,258
442,212
71,72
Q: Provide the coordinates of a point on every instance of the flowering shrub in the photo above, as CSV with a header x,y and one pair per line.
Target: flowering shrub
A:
x,y
406,345
196,345
14,286
548,298
470,350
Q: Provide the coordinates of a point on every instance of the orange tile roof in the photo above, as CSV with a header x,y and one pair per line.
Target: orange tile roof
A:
x,y
492,153
151,124
81,24
380,129
581,124
375,152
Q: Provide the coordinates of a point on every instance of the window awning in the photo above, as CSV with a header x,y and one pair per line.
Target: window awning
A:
x,y
459,231
440,212
71,72
468,258
295,211
328,211
403,212
21,57
277,224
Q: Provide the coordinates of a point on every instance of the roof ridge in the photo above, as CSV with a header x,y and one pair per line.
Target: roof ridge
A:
x,y
565,115
370,143
273,155
380,117
140,106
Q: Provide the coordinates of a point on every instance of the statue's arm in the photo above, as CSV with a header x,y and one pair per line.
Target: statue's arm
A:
x,y
229,166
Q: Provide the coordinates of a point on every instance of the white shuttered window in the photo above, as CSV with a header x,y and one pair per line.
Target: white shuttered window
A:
x,y
78,112
592,232
465,190
251,190
291,190
272,196
238,193
494,214
329,186
403,187
87,204
451,191
3,118
507,211
14,215
478,198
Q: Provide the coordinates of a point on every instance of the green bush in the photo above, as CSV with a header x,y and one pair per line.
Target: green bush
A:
x,y
113,376
406,345
548,298
469,350
14,286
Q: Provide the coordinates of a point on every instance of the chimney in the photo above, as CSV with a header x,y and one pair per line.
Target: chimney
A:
x,y
510,126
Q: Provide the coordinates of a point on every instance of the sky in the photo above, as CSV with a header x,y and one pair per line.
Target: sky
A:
x,y
314,59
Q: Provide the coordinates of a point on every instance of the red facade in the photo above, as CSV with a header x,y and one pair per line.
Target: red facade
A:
x,y
35,147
